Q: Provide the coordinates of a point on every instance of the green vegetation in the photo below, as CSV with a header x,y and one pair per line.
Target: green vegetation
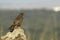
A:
x,y
34,24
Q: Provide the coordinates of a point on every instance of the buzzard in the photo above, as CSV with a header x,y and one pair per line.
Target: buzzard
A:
x,y
17,22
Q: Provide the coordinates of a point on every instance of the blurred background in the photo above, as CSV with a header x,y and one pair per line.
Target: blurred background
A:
x,y
41,17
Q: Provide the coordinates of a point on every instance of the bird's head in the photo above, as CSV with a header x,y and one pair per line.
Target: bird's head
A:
x,y
21,14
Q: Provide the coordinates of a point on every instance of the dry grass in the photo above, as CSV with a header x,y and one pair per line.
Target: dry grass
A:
x,y
29,36
0,37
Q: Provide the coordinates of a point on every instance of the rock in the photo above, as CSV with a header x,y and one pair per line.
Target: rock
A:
x,y
17,34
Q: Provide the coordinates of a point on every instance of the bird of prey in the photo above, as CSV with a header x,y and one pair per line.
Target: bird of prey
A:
x,y
17,22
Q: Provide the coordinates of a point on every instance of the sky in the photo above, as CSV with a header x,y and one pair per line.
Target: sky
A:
x,y
26,4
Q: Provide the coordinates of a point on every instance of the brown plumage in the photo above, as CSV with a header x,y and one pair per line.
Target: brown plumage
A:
x,y
17,22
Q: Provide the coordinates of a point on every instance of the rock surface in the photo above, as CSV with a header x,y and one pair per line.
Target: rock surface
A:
x,y
17,34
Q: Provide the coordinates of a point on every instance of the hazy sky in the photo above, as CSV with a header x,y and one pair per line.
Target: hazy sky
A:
x,y
28,3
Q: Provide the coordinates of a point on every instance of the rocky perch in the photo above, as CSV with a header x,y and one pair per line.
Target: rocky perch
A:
x,y
17,34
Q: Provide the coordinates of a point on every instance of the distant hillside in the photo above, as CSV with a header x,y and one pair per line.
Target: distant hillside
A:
x,y
33,19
